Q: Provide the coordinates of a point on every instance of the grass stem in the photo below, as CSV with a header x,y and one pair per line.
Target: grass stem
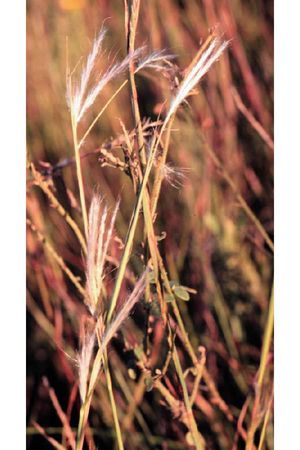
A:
x,y
80,178
197,437
112,402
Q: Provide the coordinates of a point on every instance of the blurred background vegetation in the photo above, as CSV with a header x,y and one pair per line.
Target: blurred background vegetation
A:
x,y
221,142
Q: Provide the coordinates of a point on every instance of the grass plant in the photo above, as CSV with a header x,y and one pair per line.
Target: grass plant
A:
x,y
150,227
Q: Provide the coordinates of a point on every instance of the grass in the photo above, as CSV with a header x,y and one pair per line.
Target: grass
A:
x,y
150,309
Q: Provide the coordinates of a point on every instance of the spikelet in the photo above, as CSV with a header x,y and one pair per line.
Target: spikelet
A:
x,y
125,310
84,360
112,72
175,176
155,60
87,71
80,99
100,233
208,57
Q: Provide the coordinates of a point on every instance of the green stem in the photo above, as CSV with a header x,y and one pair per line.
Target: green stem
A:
x,y
81,425
131,232
113,403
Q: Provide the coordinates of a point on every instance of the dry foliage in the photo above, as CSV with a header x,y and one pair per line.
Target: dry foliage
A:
x,y
150,223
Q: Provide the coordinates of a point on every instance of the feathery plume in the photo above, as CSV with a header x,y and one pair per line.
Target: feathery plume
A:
x,y
100,233
113,327
84,361
86,72
124,311
112,72
80,101
208,57
175,176
155,60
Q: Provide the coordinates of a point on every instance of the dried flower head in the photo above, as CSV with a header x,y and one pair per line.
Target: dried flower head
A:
x,y
80,99
87,380
207,58
80,89
99,237
125,309
84,360
175,176
156,60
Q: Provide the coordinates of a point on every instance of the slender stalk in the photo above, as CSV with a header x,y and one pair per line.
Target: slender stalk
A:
x,y
112,402
109,101
197,380
79,176
129,240
239,197
81,426
133,14
265,424
197,437
257,126
148,214
158,175
100,113
141,198
266,342
101,358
